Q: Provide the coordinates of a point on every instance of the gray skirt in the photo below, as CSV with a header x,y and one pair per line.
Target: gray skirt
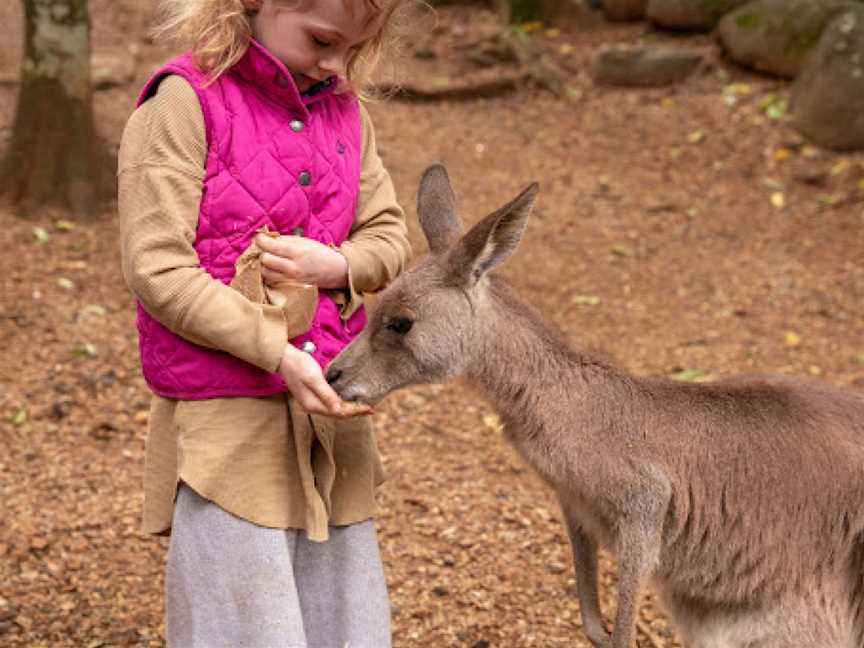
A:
x,y
232,583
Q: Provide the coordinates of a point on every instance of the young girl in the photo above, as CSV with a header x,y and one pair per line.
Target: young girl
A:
x,y
255,212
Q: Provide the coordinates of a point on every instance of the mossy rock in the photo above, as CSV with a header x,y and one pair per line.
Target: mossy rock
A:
x,y
775,36
696,15
643,66
828,97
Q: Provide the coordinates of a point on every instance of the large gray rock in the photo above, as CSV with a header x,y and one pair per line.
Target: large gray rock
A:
x,y
698,15
828,97
643,66
624,9
775,36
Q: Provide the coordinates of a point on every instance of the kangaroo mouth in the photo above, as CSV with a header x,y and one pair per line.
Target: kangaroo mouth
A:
x,y
353,393
364,400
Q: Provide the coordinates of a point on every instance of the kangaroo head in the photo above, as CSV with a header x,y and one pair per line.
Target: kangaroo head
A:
x,y
429,322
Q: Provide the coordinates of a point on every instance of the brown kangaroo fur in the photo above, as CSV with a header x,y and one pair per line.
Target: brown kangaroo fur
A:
x,y
740,501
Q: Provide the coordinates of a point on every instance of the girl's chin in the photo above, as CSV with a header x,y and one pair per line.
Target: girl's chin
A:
x,y
303,82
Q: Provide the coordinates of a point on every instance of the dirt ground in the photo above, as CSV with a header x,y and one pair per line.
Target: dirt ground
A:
x,y
678,229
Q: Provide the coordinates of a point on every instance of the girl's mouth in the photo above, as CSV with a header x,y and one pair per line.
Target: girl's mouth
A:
x,y
303,82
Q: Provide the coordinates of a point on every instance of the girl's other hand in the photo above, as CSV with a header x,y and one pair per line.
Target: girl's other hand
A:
x,y
306,382
298,259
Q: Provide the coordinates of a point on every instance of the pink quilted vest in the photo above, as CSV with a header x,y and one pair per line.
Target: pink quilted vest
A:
x,y
275,158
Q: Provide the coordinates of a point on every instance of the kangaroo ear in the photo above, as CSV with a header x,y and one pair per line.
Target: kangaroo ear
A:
x,y
493,239
436,209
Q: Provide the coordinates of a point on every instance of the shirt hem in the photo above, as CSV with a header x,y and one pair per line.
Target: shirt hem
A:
x,y
164,528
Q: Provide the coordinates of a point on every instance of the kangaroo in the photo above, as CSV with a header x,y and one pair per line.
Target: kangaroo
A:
x,y
741,502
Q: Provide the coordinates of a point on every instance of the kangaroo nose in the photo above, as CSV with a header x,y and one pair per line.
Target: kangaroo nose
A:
x,y
333,375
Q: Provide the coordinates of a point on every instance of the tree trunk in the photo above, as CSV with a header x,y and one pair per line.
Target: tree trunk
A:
x,y
55,157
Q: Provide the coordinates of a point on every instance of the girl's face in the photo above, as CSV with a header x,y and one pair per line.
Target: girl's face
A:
x,y
315,41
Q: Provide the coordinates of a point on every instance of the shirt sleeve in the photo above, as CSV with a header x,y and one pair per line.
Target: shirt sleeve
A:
x,y
377,248
160,173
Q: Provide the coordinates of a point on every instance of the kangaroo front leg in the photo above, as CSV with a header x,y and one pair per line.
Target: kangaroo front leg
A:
x,y
635,562
638,541
585,563
639,537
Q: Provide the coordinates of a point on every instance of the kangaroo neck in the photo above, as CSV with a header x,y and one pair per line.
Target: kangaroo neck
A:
x,y
530,375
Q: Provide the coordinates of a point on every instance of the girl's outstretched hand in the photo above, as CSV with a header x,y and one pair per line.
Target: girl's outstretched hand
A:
x,y
303,260
305,381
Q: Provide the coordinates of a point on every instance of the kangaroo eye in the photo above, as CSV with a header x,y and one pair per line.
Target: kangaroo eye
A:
x,y
400,325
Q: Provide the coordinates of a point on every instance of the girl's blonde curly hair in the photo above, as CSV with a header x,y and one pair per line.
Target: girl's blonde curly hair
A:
x,y
218,33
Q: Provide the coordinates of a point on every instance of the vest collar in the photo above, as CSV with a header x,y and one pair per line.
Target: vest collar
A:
x,y
270,76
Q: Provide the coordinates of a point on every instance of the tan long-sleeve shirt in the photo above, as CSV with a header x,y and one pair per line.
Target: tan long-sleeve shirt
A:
x,y
263,459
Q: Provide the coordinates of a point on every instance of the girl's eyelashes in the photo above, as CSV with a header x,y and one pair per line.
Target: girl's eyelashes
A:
x,y
320,42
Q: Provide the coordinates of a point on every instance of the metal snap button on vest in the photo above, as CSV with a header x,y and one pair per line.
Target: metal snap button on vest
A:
x,y
297,231
304,178
296,125
308,347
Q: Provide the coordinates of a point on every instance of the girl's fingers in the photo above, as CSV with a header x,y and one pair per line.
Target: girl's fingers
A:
x,y
283,246
314,404
325,394
306,382
272,261
355,409
335,405
276,265
272,278
270,244
309,399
